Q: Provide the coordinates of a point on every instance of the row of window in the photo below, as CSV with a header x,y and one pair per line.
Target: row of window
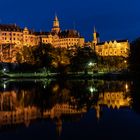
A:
x,y
14,34
46,41
114,47
72,39
113,53
5,38
68,43
20,39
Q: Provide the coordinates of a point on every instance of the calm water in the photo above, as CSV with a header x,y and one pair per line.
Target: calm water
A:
x,y
69,110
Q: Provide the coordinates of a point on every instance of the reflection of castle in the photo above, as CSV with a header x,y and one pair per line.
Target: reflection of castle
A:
x,y
62,109
112,100
111,48
13,110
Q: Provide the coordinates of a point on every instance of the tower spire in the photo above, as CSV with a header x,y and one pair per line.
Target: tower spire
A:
x,y
95,37
56,18
94,29
56,28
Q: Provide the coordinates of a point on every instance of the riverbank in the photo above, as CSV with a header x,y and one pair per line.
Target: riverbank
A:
x,y
99,75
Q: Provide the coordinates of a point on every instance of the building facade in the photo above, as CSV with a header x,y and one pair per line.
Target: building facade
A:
x,y
58,38
13,38
111,48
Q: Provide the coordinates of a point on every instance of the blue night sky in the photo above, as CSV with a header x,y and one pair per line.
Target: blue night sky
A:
x,y
114,19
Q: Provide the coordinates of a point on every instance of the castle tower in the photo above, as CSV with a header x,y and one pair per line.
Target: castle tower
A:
x,y
95,37
56,28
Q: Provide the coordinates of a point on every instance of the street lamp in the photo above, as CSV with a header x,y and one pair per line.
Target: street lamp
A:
x,y
126,87
4,70
91,90
90,64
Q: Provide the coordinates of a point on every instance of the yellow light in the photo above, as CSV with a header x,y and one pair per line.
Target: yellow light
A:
x,y
90,64
91,89
126,86
4,86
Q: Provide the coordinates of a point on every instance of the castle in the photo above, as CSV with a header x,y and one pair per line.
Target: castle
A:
x,y
13,38
13,34
110,48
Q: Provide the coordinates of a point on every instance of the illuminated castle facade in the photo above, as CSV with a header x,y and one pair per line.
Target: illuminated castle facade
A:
x,y
110,48
13,34
13,38
60,38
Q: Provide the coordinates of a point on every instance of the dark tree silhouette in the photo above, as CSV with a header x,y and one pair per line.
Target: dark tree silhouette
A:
x,y
134,59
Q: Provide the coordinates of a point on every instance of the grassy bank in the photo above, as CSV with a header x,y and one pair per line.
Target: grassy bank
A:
x,y
69,75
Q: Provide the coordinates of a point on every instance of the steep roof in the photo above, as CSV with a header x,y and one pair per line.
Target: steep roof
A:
x,y
119,41
42,33
10,27
69,34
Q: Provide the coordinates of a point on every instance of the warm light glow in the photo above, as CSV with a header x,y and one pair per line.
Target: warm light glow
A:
x,y
55,88
126,86
4,86
90,64
91,89
125,61
4,69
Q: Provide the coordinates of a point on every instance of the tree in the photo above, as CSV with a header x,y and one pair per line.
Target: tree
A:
x,y
27,54
82,58
134,58
61,59
43,55
19,57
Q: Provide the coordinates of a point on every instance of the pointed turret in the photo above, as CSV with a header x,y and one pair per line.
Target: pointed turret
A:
x,y
56,18
56,28
95,37
94,29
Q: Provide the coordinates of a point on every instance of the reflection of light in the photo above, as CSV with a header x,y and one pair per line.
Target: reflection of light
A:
x,y
91,89
4,69
44,86
55,88
4,86
90,64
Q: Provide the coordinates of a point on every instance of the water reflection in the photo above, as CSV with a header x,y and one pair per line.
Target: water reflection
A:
x,y
22,102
